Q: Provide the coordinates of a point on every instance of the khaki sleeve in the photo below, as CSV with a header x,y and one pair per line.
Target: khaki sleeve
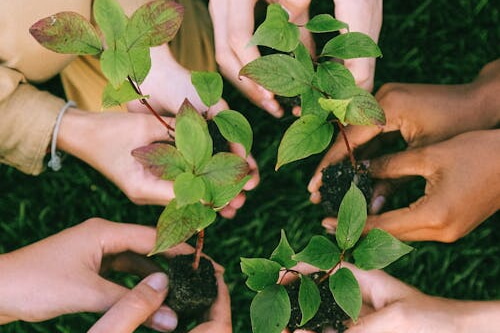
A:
x,y
27,119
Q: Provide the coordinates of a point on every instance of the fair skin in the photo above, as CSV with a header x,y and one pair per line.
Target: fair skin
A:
x,y
427,114
60,275
234,25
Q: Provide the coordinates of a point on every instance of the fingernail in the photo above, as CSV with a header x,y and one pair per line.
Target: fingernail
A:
x,y
157,281
165,319
377,204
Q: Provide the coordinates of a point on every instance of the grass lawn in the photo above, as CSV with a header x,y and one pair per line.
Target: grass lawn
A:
x,y
428,41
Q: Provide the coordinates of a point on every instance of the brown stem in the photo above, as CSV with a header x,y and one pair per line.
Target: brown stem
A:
x,y
330,271
199,247
349,150
147,105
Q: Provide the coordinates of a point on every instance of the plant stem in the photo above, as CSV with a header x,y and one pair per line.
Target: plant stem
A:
x,y
348,146
148,106
330,271
199,247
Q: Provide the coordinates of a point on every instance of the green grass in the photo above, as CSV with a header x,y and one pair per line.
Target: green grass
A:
x,y
422,41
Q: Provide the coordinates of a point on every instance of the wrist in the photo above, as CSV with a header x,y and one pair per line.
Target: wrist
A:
x,y
74,131
478,316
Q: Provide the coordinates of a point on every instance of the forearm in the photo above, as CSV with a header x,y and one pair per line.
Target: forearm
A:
x,y
479,316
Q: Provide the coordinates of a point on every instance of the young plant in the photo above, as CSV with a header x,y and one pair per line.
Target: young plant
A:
x,y
203,182
277,306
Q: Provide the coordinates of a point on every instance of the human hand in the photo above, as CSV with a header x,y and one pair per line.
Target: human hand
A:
x,y
60,274
362,16
233,28
462,188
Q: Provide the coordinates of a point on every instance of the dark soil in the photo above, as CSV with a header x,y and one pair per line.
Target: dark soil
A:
x,y
329,313
337,180
191,293
220,144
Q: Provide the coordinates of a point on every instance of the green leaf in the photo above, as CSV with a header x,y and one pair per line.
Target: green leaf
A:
x,y
140,63
346,292
283,252
115,66
234,127
191,136
188,189
379,249
319,252
325,23
304,57
310,104
208,85
364,109
351,45
220,195
154,23
162,160
261,272
308,135
111,19
176,225
337,106
270,310
225,168
351,218
276,32
309,299
279,73
332,77
67,32
125,93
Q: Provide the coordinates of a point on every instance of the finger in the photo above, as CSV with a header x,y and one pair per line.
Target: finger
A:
x,y
221,309
160,130
330,224
382,190
239,150
228,212
407,163
383,320
213,110
152,190
136,306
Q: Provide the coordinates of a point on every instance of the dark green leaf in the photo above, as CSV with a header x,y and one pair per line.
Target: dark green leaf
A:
x,y
279,73
276,32
115,66
192,137
325,23
188,189
283,252
125,93
140,63
332,77
270,310
319,252
111,19
364,110
308,135
346,292
310,105
261,272
351,45
154,23
304,57
208,85
234,127
351,218
220,195
379,249
67,32
163,160
309,299
176,225
225,168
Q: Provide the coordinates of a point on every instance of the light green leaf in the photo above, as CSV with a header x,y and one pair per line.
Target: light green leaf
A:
x,y
188,189
115,66
279,73
276,32
379,249
208,85
111,19
319,252
346,292
337,106
234,127
225,168
191,136
176,225
140,63
67,32
332,77
270,310
261,272
351,45
283,252
125,93
162,160
308,135
325,23
220,195
309,299
310,104
154,23
351,218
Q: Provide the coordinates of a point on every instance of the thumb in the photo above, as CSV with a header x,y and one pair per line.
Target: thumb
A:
x,y
383,320
407,163
139,305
